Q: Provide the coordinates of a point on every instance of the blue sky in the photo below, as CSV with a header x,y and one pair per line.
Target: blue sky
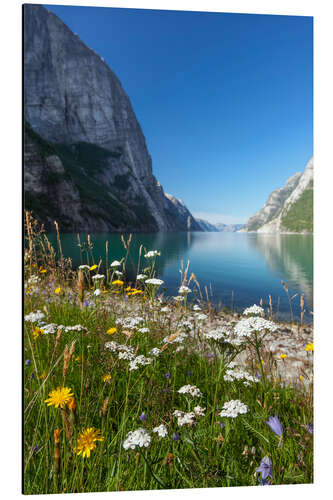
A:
x,y
224,100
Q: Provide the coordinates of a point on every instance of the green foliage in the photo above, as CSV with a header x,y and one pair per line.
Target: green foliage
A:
x,y
299,218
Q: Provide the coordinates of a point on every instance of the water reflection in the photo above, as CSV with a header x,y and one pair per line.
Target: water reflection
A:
x,y
290,257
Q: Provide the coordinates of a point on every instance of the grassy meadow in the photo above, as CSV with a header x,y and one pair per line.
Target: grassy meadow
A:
x,y
126,390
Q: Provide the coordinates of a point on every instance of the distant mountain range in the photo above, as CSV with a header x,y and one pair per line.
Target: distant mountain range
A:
x,y
219,227
288,209
86,163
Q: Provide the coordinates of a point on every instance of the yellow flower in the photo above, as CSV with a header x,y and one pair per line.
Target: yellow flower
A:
x,y
301,377
111,331
93,267
71,404
117,282
283,356
57,290
59,397
79,359
42,270
42,376
309,347
106,378
135,292
128,289
37,332
86,441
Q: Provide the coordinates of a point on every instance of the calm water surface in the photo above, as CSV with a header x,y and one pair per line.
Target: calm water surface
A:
x,y
239,268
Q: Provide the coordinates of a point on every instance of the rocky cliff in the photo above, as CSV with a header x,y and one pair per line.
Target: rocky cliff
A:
x,y
86,163
288,209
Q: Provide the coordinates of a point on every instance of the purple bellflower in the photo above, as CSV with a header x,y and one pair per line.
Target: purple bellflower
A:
x,y
275,425
265,468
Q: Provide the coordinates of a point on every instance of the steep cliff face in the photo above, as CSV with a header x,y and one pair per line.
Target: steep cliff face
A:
x,y
273,204
288,209
74,102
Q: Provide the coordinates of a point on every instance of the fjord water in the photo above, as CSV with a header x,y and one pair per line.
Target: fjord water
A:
x,y
238,268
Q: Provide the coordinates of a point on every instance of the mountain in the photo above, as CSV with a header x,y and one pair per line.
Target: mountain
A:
x,y
207,226
86,163
287,209
229,228
219,227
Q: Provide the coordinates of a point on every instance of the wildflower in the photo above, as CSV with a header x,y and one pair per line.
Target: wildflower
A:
x,y
255,310
154,281
97,292
37,332
42,271
175,436
111,331
139,360
106,377
301,377
117,282
27,362
91,268
275,425
35,448
186,418
196,308
84,266
57,290
265,468
86,303
245,327
98,277
115,263
236,373
155,351
140,437
161,430
143,416
179,298
34,317
59,397
143,330
42,376
86,441
283,356
167,375
184,290
118,273
222,425
233,408
309,347
199,411
141,276
152,253
190,389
